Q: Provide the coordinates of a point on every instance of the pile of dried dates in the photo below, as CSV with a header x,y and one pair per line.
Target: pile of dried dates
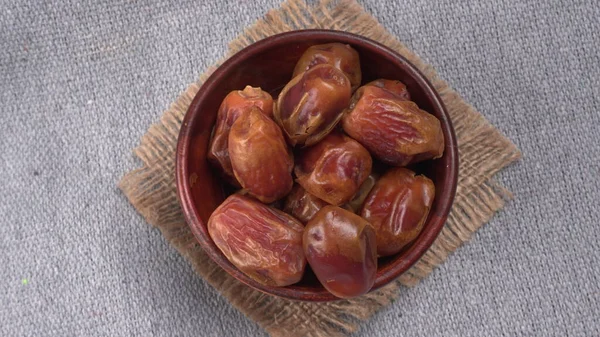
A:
x,y
304,167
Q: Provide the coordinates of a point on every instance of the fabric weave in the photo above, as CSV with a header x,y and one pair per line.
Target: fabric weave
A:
x,y
81,82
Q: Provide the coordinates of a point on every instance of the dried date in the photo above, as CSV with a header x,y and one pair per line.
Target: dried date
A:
x,y
339,55
311,104
302,204
387,88
261,160
340,247
355,204
235,104
334,169
262,242
397,207
395,131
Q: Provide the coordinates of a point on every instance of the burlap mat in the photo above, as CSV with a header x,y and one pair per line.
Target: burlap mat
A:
x,y
482,152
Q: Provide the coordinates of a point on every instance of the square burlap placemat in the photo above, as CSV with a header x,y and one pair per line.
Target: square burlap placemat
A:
x,y
483,151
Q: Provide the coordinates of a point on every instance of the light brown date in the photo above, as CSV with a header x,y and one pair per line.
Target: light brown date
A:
x,y
339,55
340,247
333,169
397,132
235,104
261,160
397,207
302,204
262,242
311,104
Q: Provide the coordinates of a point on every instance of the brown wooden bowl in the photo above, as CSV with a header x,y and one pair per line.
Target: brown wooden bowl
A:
x,y
269,64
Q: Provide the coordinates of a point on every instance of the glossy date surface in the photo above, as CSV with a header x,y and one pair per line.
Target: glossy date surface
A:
x,y
302,205
340,247
311,104
339,55
334,169
397,207
355,204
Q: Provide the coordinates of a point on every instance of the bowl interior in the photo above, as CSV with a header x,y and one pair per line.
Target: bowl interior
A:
x,y
269,64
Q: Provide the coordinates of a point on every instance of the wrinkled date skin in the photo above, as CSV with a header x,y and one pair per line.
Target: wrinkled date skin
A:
x,y
235,104
355,204
262,242
311,104
334,169
302,205
397,207
397,132
340,247
389,88
261,160
339,55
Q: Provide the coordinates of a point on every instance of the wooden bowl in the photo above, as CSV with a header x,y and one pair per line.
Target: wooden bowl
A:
x,y
269,64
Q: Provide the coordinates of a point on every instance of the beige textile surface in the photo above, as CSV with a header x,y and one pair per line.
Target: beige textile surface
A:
x,y
483,151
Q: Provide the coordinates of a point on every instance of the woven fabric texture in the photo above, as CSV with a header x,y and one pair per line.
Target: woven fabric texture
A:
x,y
81,82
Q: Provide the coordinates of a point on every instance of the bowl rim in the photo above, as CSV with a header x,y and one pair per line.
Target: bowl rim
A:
x,y
199,228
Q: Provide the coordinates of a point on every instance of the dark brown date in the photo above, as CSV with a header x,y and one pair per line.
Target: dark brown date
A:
x,y
339,55
235,104
340,247
397,132
397,207
302,204
311,104
334,169
261,160
262,242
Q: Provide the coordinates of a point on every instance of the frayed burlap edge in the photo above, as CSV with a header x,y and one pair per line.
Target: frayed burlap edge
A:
x,y
483,151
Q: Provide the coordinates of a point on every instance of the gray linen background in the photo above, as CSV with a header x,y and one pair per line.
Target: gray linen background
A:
x,y
81,81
